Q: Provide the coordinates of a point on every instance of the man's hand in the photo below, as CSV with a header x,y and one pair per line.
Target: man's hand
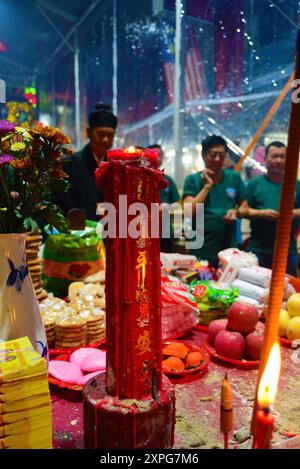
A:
x,y
269,214
231,216
208,181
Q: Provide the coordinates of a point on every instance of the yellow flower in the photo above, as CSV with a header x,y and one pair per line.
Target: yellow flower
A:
x,y
50,133
21,163
23,132
18,146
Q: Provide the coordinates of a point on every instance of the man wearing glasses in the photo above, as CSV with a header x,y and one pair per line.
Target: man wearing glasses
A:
x,y
221,191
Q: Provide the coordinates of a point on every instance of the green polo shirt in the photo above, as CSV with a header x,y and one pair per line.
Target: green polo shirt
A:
x,y
262,194
225,195
169,195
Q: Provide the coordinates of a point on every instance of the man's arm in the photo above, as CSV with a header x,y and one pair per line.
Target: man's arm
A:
x,y
202,195
244,211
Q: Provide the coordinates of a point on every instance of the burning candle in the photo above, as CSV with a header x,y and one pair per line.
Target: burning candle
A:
x,y
147,157
264,422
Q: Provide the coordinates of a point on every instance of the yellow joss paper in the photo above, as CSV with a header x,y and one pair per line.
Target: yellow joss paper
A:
x,y
18,360
30,440
26,424
24,390
24,404
39,412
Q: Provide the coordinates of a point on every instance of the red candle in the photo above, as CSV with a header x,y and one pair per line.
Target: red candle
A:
x,y
147,157
264,429
264,420
133,317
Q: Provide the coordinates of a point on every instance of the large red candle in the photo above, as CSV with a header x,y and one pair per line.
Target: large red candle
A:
x,y
133,317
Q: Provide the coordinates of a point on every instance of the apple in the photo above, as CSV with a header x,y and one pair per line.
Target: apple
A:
x,y
214,328
254,342
293,328
284,318
293,305
230,344
242,317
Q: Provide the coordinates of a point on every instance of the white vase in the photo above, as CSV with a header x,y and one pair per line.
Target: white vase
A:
x,y
19,307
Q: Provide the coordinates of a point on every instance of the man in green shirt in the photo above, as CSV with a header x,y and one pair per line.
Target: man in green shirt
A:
x,y
263,196
221,191
169,195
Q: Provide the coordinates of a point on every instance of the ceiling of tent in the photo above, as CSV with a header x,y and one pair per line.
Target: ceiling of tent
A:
x,y
32,30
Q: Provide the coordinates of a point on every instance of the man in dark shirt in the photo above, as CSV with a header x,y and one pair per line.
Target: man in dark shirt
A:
x,y
81,166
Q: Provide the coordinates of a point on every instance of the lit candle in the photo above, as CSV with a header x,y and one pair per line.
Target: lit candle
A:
x,y
264,421
147,156
226,415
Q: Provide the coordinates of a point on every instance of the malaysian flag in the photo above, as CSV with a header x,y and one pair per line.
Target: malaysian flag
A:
x,y
195,86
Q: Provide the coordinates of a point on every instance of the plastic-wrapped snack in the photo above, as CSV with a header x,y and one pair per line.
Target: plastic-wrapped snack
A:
x,y
211,295
177,261
179,310
237,258
257,275
253,291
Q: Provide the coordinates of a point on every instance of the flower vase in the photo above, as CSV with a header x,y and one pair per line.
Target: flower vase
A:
x,y
19,308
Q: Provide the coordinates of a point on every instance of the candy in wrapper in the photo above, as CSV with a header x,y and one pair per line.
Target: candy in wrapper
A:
x,y
211,295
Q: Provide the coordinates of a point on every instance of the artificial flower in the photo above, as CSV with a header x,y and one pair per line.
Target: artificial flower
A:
x,y
18,146
6,127
33,174
5,159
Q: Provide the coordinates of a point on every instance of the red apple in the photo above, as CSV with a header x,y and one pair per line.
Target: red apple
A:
x,y
242,317
254,344
230,344
214,328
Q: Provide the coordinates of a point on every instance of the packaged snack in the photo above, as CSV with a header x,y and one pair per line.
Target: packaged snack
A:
x,y
179,309
72,257
257,275
177,261
211,295
251,290
237,258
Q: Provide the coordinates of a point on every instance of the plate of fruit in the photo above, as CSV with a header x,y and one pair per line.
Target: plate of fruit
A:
x,y
238,339
181,358
289,322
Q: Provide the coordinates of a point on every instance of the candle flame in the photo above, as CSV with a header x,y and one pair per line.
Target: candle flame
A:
x,y
131,149
268,384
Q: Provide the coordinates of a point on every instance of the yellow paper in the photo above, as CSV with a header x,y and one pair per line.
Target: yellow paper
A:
x,y
19,360
26,424
25,404
30,440
19,415
24,390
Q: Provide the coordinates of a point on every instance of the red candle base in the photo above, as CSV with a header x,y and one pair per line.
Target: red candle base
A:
x,y
263,431
111,423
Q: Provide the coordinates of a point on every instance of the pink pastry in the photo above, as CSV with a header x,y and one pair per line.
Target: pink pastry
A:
x,y
85,378
77,356
65,371
94,361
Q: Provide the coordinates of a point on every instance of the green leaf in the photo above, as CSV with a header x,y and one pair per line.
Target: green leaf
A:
x,y
30,224
54,217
